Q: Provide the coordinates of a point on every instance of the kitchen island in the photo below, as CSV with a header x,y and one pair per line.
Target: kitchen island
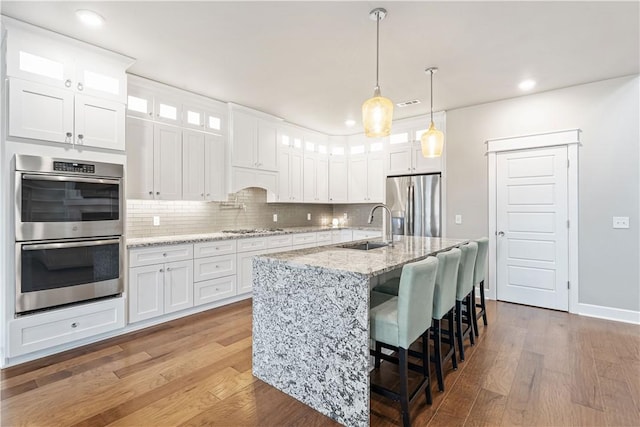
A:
x,y
311,320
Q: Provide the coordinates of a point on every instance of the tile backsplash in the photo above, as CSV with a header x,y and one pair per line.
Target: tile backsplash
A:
x,y
247,208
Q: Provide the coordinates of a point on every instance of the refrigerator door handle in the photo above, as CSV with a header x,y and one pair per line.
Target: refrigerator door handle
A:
x,y
410,210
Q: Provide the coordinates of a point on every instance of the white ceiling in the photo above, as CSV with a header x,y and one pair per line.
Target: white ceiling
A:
x,y
313,63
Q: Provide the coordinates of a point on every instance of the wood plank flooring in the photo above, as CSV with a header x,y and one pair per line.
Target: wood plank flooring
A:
x,y
530,367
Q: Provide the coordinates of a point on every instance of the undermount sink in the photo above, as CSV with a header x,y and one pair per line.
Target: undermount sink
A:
x,y
366,246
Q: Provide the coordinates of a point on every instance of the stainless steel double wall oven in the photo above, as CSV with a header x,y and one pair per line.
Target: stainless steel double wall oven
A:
x,y
68,228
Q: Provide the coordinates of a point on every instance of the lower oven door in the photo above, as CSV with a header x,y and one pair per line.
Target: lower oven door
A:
x,y
54,273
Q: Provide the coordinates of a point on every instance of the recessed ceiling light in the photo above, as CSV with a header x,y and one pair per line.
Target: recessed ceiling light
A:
x,y
90,18
350,123
527,84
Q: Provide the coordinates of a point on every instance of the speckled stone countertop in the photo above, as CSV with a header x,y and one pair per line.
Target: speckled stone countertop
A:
x,y
370,263
209,237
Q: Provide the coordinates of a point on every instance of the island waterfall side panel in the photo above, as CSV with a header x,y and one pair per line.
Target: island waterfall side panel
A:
x,y
311,336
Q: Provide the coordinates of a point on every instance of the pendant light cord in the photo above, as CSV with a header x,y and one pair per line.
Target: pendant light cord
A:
x,y
431,72
377,47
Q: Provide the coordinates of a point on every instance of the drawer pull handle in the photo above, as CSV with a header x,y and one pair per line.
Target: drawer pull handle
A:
x,y
217,289
74,325
217,266
164,254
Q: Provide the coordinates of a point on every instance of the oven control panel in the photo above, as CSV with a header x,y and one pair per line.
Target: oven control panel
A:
x,y
74,167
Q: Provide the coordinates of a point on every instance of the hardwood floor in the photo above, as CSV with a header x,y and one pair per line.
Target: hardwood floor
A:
x,y
529,367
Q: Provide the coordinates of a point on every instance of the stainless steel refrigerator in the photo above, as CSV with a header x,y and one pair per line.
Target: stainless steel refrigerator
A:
x,y
415,207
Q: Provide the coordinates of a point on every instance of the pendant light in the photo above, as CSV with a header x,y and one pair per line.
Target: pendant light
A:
x,y
377,112
432,140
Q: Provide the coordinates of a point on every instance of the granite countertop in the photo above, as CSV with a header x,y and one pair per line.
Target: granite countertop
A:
x,y
369,263
209,237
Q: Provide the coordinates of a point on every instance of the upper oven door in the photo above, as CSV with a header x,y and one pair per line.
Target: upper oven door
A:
x,y
50,206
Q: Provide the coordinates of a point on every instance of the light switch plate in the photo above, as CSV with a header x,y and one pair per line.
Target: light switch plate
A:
x,y
156,220
458,219
620,222
275,217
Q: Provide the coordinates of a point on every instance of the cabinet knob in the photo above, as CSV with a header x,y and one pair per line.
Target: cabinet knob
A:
x,y
217,266
74,325
408,169
217,289
151,193
168,268
201,194
80,137
162,270
67,83
157,193
208,194
69,134
80,86
164,254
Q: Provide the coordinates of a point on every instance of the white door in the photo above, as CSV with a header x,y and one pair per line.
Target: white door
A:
x,y
375,177
532,227
322,179
309,178
245,271
99,123
178,286
337,178
139,159
295,175
244,140
267,146
38,111
146,292
167,165
193,165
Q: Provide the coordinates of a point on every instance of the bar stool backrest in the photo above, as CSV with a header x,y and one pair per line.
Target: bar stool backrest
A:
x,y
465,271
444,297
481,260
415,299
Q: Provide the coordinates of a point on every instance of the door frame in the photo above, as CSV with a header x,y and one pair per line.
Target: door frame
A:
x,y
569,138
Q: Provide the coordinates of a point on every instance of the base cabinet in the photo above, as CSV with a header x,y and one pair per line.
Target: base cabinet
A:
x,y
40,331
214,290
245,270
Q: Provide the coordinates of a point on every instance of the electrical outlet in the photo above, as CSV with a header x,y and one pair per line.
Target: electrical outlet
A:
x,y
275,217
156,220
620,222
345,216
458,219
308,217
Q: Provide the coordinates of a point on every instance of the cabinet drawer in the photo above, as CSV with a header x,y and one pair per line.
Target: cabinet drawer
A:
x,y
40,331
214,290
341,236
156,255
304,238
219,247
366,234
323,238
214,267
304,246
280,241
254,244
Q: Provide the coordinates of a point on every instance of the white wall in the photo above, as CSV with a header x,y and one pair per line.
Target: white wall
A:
x,y
608,113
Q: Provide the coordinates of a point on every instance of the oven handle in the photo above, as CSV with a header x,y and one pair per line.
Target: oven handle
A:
x,y
38,247
70,178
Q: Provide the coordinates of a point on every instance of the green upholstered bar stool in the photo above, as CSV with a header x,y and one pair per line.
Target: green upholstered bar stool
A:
x,y
465,306
398,321
478,279
444,301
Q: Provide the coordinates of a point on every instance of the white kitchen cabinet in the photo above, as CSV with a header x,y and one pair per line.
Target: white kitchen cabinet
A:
x,y
214,290
290,175
214,267
41,56
341,236
154,160
61,326
160,280
323,238
404,151
366,178
47,113
214,248
253,142
202,166
204,117
366,234
167,109
245,270
316,178
159,289
338,177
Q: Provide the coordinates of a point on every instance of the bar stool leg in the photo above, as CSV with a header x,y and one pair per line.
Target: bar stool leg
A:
x,y
459,328
474,318
404,387
437,344
470,316
484,306
377,356
426,360
452,340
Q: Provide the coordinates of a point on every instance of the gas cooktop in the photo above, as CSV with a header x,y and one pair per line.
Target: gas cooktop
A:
x,y
252,230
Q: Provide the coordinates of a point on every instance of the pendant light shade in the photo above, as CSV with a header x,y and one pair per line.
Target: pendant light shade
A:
x,y
377,112
432,141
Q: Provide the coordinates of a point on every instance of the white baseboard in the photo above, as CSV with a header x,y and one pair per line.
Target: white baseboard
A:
x,y
609,313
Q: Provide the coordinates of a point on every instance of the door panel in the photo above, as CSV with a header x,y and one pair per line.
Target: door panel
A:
x,y
99,123
532,213
139,159
193,165
178,286
167,170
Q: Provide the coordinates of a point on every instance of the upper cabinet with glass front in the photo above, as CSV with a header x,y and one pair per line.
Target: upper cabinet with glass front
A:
x,y
404,150
41,56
